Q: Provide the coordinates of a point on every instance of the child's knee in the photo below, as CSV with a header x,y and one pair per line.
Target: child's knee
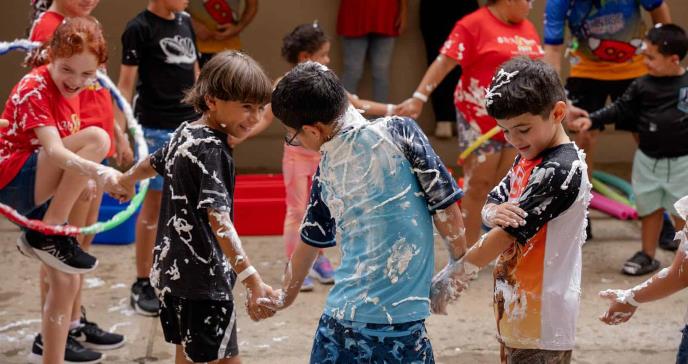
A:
x,y
98,138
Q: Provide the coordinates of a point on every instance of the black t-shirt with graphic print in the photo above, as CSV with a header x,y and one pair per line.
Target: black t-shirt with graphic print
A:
x,y
165,53
198,172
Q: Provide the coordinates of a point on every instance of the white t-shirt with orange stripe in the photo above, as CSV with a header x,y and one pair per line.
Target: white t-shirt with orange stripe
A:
x,y
537,280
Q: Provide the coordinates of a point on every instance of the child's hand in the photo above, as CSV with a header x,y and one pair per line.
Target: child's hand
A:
x,y
4,123
580,124
90,191
448,284
410,107
504,215
124,188
275,301
124,155
619,311
226,31
256,291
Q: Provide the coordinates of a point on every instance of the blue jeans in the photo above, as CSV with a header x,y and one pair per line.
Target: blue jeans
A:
x,y
682,356
355,49
341,341
156,139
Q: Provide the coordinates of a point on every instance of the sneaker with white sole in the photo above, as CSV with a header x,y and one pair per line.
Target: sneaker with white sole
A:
x,y
75,353
322,270
60,252
308,284
143,299
640,264
93,337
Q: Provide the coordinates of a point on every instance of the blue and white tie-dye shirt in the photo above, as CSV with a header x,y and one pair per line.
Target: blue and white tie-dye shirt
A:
x,y
377,185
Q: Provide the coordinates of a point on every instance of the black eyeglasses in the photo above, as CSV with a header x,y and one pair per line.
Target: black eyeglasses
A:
x,y
292,140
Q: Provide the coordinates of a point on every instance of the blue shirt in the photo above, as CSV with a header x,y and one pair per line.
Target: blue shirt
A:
x,y
377,185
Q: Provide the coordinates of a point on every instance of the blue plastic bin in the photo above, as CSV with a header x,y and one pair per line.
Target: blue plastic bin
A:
x,y
121,235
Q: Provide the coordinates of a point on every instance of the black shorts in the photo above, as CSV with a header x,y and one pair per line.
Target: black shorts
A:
x,y
591,95
206,329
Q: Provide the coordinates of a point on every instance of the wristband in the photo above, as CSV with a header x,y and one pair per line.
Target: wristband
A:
x,y
390,109
249,271
420,96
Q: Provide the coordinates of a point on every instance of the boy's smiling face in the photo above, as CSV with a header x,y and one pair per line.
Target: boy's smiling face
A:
x,y
531,134
235,118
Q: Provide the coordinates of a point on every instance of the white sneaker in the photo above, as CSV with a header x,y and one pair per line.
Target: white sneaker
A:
x,y
443,130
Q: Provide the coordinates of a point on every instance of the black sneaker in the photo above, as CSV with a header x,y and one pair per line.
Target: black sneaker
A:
x,y
143,298
666,237
93,337
60,252
640,264
75,353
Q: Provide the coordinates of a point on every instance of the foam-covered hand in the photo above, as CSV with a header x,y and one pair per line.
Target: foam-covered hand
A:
x,y
504,215
619,310
448,284
256,292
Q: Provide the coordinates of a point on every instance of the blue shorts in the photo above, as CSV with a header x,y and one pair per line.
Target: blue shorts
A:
x,y
339,341
682,355
19,193
156,139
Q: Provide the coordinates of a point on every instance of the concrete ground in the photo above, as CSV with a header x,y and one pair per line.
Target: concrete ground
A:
x,y
466,335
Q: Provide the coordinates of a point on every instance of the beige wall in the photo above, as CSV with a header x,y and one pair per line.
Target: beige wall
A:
x,y
262,40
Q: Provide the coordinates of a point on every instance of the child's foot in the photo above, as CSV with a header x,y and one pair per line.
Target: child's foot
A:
x,y
74,352
93,337
143,298
307,285
60,252
322,270
640,264
666,237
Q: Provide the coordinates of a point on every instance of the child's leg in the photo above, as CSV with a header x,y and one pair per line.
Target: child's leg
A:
x,y
480,176
651,225
297,171
146,228
354,50
56,313
65,187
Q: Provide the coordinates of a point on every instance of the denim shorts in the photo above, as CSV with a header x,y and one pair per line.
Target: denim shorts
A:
x,y
156,139
340,341
19,193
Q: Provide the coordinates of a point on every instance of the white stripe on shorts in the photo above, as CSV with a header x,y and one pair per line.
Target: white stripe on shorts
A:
x,y
221,353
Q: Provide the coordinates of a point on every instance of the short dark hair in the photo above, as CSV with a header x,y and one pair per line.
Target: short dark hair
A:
x,y
670,39
521,86
304,38
309,93
230,76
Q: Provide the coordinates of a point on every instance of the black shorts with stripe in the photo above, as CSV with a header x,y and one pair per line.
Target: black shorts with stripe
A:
x,y
206,329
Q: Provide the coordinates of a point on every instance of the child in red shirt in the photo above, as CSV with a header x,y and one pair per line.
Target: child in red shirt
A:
x,y
45,155
479,43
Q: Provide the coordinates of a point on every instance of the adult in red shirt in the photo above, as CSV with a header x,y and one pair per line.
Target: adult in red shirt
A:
x,y
480,42
370,27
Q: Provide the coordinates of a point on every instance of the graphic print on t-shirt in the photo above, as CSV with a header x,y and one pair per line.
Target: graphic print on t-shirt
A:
x,y
178,50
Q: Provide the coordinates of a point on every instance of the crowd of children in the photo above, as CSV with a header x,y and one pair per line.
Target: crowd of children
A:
x,y
375,186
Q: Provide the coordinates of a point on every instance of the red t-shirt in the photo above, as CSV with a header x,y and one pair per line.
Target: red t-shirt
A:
x,y
480,43
34,102
96,102
360,17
